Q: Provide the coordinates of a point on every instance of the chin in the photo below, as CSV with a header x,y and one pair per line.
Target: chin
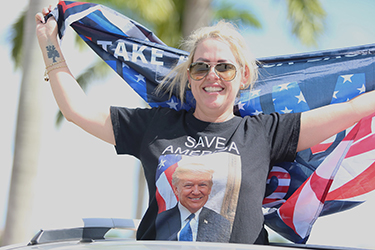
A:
x,y
216,104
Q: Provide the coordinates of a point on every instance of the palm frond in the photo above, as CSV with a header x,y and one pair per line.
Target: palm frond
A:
x,y
16,38
98,70
307,18
227,11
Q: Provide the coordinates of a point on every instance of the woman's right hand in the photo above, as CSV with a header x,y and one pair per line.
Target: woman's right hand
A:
x,y
45,30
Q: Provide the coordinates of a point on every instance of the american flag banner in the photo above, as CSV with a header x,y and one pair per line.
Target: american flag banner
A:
x,y
345,174
328,178
129,48
297,193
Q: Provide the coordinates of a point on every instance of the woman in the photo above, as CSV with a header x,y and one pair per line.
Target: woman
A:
x,y
216,69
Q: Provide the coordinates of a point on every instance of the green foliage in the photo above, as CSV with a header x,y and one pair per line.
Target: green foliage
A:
x,y
16,38
228,12
307,19
170,29
167,25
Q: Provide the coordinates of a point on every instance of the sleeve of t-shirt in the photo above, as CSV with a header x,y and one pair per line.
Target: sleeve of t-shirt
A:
x,y
283,134
129,126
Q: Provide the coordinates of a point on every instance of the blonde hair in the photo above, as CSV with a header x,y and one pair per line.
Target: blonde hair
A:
x,y
223,31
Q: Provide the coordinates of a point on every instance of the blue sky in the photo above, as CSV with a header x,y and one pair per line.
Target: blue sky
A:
x,y
348,23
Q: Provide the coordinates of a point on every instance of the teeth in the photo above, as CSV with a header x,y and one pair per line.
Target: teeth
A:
x,y
213,89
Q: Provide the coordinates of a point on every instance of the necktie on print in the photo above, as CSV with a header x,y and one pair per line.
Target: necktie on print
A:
x,y
186,234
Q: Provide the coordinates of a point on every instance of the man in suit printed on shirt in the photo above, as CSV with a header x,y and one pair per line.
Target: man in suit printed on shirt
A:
x,y
192,185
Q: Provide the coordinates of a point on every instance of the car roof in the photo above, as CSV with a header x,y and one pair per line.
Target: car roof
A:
x,y
91,235
117,244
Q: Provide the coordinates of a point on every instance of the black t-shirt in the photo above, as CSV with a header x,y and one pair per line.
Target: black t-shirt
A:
x,y
240,151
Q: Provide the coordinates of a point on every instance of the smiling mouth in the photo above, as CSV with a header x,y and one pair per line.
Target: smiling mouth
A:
x,y
195,199
213,89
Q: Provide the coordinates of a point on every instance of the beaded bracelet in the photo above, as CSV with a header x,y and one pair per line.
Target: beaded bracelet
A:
x,y
50,67
55,63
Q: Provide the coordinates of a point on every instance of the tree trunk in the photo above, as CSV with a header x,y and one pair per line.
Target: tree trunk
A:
x,y
197,13
28,131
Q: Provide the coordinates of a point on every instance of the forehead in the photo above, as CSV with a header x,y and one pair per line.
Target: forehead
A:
x,y
213,50
195,176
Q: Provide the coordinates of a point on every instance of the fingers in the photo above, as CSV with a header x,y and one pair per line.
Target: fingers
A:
x,y
46,26
47,10
40,17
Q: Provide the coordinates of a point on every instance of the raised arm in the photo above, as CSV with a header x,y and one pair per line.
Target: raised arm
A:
x,y
72,101
322,123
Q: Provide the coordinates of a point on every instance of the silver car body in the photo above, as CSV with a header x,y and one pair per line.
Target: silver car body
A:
x,y
91,235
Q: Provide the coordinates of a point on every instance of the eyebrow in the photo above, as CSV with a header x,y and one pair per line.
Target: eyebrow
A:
x,y
200,59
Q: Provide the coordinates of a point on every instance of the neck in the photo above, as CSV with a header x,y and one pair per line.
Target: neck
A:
x,y
212,117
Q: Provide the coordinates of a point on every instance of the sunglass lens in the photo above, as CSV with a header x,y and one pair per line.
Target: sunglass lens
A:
x,y
226,71
199,70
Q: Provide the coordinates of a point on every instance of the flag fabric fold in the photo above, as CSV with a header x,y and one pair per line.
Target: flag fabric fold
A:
x,y
333,183
325,179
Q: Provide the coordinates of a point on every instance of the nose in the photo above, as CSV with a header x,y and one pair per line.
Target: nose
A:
x,y
212,74
196,190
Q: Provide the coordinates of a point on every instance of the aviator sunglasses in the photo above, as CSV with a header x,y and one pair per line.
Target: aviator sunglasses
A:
x,y
199,70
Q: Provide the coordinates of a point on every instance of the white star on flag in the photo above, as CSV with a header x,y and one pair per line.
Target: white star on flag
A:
x,y
161,163
284,86
287,111
335,94
347,78
362,89
241,106
140,78
257,112
301,98
255,93
172,104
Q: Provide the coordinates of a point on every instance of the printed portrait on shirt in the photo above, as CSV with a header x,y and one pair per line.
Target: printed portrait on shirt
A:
x,y
206,187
